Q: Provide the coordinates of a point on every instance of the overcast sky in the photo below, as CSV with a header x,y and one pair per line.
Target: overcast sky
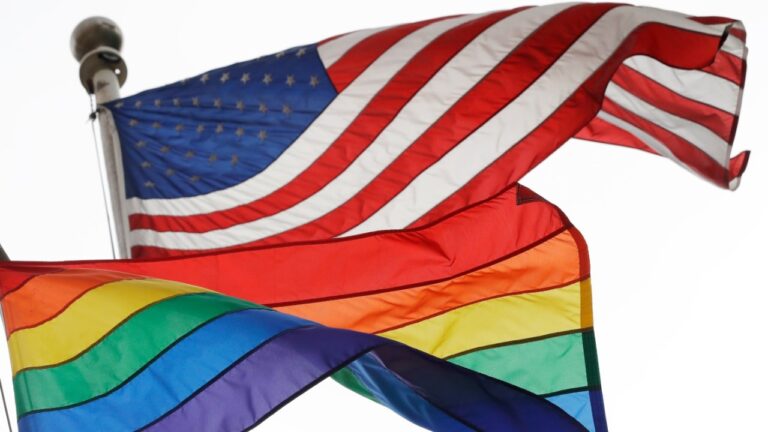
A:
x,y
677,264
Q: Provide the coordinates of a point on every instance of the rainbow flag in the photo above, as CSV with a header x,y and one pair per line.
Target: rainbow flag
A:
x,y
480,321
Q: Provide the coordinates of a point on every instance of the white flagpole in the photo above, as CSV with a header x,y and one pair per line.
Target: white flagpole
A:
x,y
96,44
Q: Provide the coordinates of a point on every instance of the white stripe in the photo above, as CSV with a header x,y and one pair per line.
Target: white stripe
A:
x,y
696,134
314,141
724,26
734,183
643,136
655,144
457,77
693,84
735,46
496,137
331,51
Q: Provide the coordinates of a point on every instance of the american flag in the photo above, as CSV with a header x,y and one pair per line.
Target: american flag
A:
x,y
395,127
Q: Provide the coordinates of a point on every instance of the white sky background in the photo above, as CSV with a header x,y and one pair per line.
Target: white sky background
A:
x,y
678,265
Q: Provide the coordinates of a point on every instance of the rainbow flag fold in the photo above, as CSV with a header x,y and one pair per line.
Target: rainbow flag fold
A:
x,y
470,323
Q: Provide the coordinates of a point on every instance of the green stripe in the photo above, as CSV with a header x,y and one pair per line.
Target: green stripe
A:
x,y
590,355
349,380
542,366
121,354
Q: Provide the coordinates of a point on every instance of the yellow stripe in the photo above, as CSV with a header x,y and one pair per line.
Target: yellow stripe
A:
x,y
86,320
586,303
500,320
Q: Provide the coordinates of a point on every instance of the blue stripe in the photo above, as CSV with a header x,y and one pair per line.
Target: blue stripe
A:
x,y
171,378
394,394
578,406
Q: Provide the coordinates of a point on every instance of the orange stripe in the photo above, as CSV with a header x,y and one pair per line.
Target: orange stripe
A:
x,y
45,296
552,263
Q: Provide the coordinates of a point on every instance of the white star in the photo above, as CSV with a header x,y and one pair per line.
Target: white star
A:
x,y
141,144
290,80
149,184
200,128
119,105
158,102
267,79
176,102
194,179
314,81
204,79
286,109
169,172
165,149
219,128
137,104
262,135
280,54
213,157
234,160
189,154
195,101
245,78
301,52
263,107
146,164
239,132
133,122
156,125
217,103
224,77
240,105
179,127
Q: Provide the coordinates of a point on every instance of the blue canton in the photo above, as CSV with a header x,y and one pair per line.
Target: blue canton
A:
x,y
220,128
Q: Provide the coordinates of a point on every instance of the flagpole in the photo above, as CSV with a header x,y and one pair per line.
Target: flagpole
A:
x,y
96,44
4,257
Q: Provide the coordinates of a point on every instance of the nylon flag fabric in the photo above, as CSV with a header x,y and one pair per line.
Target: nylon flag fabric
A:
x,y
395,127
364,189
494,304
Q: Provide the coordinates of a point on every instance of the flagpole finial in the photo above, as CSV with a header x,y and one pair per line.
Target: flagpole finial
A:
x,y
96,44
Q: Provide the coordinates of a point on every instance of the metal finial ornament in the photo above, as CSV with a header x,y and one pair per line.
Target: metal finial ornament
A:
x,y
96,44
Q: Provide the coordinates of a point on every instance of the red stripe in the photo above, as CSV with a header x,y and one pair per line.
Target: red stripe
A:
x,y
599,130
673,46
359,57
728,66
689,154
712,20
382,109
342,267
739,33
495,91
737,165
14,277
714,119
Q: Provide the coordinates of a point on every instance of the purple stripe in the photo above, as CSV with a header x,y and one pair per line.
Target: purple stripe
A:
x,y
272,375
267,379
